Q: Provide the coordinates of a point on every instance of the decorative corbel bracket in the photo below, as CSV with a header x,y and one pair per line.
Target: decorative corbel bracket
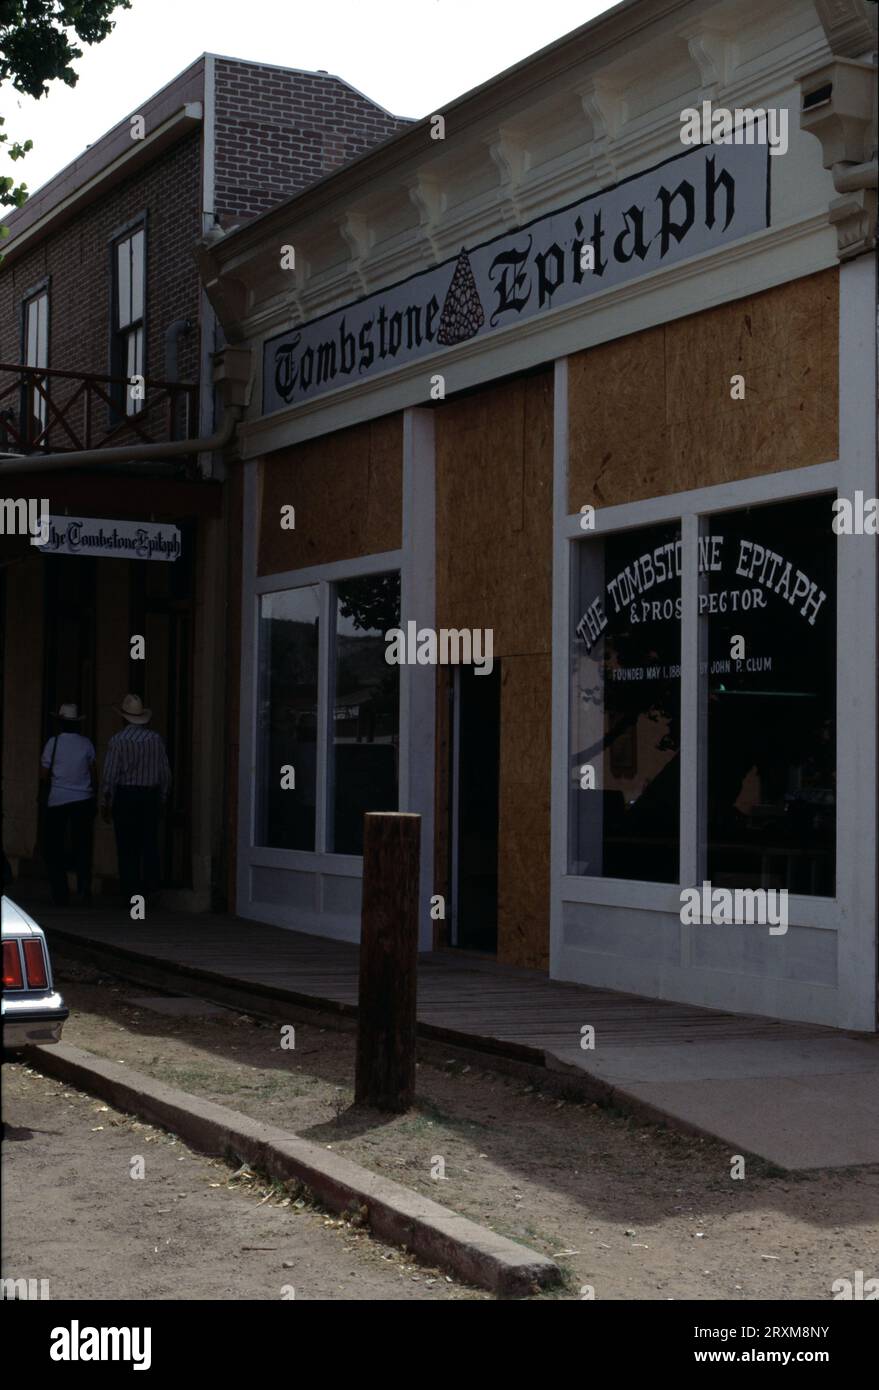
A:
x,y
838,106
359,236
605,108
430,200
510,158
712,52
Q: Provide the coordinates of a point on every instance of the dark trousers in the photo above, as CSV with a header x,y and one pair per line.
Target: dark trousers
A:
x,y
77,817
136,822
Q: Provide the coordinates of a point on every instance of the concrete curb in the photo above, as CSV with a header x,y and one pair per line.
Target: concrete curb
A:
x,y
538,1066
394,1213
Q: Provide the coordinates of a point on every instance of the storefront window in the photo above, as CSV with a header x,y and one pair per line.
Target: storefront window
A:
x,y
769,605
625,706
288,645
365,708
763,782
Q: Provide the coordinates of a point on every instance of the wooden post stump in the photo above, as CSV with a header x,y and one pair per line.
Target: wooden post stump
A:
x,y
385,1074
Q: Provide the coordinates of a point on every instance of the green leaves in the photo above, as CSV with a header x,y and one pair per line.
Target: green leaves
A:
x,y
36,39
37,46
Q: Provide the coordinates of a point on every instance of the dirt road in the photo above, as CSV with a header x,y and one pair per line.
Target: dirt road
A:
x,y
632,1210
74,1214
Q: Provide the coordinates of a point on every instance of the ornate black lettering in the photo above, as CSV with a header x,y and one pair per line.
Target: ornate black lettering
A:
x,y
508,282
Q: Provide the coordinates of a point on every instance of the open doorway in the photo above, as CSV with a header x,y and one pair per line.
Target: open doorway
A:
x,y
474,808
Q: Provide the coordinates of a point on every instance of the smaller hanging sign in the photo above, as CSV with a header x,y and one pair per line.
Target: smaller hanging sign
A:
x,y
119,540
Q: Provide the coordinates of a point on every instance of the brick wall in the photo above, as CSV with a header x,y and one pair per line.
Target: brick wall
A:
x,y
77,260
278,131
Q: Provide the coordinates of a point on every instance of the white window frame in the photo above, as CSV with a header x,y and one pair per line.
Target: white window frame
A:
x,y
416,562
37,303
325,578
688,509
850,1001
129,328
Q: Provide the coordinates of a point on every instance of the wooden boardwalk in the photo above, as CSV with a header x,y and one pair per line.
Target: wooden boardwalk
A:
x,y
460,997
796,1094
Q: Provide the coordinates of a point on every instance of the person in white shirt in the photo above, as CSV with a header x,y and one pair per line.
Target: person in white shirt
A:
x,y
68,765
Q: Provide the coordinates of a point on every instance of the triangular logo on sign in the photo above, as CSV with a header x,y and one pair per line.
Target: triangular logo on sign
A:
x,y
463,314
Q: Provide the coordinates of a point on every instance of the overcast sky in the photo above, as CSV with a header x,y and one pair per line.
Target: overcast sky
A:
x,y
410,56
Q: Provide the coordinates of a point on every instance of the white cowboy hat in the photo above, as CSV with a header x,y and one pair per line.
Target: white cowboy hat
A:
x,y
70,712
134,710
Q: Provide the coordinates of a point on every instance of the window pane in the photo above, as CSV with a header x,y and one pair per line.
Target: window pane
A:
x,y
137,276
32,347
365,723
287,728
771,711
133,367
625,706
36,351
123,284
42,312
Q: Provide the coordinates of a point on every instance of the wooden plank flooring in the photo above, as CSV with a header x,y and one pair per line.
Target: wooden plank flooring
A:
x,y
463,995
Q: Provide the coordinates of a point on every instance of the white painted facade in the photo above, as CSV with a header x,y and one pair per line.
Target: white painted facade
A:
x,y
594,108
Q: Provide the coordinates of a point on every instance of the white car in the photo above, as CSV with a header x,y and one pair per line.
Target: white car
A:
x,y
33,1012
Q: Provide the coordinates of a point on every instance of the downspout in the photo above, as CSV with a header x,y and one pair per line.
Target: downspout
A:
x,y
231,374
131,453
173,334
848,178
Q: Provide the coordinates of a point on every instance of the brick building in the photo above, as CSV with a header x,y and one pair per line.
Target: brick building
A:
x,y
99,287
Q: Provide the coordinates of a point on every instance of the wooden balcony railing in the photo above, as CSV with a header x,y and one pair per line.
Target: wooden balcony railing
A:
x,y
47,411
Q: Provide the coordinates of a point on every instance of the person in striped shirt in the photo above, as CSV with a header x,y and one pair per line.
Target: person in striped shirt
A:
x,y
134,788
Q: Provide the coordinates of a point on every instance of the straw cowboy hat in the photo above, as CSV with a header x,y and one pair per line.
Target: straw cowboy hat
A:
x,y
134,710
70,712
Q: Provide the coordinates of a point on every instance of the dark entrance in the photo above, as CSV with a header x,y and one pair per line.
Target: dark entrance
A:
x,y
475,808
161,609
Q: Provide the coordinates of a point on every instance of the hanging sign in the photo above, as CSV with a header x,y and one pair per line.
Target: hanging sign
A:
x,y
119,540
694,202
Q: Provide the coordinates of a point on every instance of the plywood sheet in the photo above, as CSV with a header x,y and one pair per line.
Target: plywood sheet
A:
x,y
346,489
651,414
494,570
494,514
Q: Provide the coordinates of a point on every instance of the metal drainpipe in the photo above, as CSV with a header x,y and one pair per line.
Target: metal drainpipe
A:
x,y
848,178
173,333
130,453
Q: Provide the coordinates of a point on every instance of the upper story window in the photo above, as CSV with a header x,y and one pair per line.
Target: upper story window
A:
x,y
36,353
129,295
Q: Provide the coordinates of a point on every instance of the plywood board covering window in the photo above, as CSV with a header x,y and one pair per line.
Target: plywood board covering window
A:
x,y
346,492
652,413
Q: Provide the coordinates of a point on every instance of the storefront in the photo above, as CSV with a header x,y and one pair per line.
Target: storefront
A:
x,y
123,595
560,404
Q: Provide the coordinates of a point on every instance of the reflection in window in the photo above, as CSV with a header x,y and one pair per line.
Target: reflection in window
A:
x,y
771,714
36,347
288,646
365,707
625,706
128,328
